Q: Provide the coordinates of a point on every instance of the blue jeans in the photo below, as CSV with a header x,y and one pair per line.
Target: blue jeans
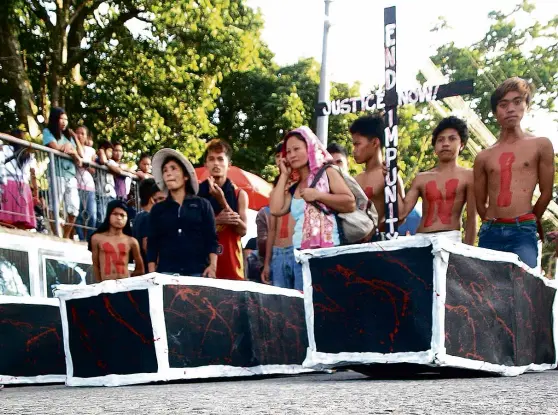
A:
x,y
518,238
87,213
285,271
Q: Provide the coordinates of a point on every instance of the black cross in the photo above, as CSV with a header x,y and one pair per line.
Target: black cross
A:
x,y
389,100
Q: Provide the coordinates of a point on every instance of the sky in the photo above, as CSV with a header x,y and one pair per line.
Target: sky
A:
x,y
294,29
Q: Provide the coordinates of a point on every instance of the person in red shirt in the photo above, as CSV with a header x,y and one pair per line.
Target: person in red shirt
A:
x,y
230,205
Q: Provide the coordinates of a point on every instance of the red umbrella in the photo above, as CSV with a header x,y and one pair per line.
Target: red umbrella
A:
x,y
257,188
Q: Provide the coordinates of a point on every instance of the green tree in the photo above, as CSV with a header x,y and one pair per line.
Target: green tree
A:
x,y
506,50
256,108
147,87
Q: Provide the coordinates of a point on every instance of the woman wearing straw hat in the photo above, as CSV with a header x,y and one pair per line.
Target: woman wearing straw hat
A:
x,y
182,238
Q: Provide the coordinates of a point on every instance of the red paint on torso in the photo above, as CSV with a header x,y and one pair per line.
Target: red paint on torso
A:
x,y
284,226
505,196
436,202
369,191
117,257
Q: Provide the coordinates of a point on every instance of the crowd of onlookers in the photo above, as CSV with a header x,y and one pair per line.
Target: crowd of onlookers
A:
x,y
30,187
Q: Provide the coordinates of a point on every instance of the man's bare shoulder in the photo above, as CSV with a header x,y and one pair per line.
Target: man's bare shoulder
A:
x,y
467,174
542,142
98,237
132,241
428,173
422,177
366,176
464,170
484,155
360,177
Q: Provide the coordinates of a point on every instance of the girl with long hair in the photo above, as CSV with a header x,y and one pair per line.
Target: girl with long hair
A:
x,y
86,186
59,137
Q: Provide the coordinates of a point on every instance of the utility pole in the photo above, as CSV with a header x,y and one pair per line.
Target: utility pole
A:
x,y
323,95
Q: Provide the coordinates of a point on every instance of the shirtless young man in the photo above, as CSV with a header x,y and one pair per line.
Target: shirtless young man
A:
x,y
368,140
506,175
112,244
446,188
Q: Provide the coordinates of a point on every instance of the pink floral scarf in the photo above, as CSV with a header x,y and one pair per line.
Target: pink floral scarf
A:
x,y
317,228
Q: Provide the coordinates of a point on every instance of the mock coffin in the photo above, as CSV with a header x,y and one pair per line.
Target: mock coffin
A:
x,y
427,301
159,328
31,347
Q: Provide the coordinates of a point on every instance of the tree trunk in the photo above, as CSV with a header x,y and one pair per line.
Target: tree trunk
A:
x,y
59,55
14,71
43,100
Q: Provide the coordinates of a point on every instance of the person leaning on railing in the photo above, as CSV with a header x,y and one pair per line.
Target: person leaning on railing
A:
x,y
16,200
87,220
57,136
104,181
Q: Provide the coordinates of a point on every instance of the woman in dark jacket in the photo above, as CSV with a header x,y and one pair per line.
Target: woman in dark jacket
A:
x,y
182,238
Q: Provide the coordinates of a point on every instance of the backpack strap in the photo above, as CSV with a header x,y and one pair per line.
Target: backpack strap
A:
x,y
317,177
292,189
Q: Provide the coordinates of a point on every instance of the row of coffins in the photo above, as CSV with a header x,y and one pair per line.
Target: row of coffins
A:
x,y
420,301
430,302
152,328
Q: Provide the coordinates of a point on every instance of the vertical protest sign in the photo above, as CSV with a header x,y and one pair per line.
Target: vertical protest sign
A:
x,y
388,100
390,144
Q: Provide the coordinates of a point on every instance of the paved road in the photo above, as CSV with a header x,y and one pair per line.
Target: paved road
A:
x,y
340,393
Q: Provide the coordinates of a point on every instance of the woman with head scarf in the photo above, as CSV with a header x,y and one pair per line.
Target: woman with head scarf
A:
x,y
112,243
309,206
182,238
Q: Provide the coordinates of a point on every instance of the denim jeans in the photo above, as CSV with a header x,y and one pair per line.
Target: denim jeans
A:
x,y
87,213
518,238
285,271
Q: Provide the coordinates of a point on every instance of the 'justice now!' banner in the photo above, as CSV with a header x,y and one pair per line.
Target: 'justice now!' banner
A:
x,y
427,301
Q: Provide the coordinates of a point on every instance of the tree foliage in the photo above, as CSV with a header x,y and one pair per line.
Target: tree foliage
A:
x,y
144,72
507,50
153,73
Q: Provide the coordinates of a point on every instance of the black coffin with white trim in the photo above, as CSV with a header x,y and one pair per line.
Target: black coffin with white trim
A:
x,y
427,301
159,328
31,347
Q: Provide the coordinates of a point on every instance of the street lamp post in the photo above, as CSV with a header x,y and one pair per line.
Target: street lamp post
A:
x,y
323,94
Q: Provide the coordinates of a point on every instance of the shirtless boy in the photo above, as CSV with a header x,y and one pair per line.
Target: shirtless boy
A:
x,y
112,244
368,140
446,188
506,175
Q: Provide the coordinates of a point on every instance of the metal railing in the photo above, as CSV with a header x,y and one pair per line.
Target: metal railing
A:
x,y
38,189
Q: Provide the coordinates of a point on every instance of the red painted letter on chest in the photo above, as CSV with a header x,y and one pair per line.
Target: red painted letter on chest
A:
x,y
118,258
437,202
505,196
